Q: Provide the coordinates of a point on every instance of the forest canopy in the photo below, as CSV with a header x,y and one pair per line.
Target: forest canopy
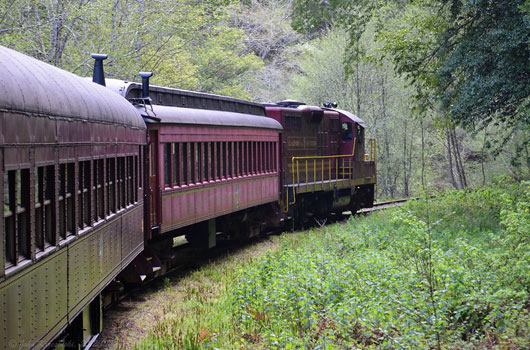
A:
x,y
443,85
471,56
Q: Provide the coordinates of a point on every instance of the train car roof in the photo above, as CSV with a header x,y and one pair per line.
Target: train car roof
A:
x,y
181,115
166,96
30,86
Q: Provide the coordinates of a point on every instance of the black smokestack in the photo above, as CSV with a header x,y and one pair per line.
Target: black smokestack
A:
x,y
145,83
99,76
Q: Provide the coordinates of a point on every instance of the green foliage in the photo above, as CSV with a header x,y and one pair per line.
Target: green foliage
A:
x,y
472,54
449,272
186,44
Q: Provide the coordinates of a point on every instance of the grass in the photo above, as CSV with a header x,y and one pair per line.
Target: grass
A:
x,y
450,273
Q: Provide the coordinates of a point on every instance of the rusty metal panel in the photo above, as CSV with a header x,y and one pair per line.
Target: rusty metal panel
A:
x,y
16,158
34,304
131,234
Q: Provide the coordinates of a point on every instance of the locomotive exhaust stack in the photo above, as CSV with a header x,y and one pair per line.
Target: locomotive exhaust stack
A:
x,y
99,76
145,83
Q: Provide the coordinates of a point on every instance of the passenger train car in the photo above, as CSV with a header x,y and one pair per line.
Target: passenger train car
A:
x,y
72,197
98,180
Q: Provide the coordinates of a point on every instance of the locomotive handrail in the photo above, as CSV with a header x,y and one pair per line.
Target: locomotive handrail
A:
x,y
322,158
346,170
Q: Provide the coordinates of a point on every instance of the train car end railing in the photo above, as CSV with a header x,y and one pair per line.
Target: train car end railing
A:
x,y
339,168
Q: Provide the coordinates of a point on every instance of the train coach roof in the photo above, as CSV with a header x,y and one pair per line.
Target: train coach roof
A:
x,y
181,115
31,86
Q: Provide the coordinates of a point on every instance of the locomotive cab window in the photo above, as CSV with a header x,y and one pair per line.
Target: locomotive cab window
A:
x,y
347,132
359,132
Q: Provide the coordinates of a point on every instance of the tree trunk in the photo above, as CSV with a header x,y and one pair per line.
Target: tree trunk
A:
x,y
405,172
458,160
422,155
450,159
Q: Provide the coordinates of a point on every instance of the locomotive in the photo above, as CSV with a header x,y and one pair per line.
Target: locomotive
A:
x,y
99,176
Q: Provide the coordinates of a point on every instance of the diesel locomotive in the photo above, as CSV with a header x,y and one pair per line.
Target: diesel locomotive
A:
x,y
99,176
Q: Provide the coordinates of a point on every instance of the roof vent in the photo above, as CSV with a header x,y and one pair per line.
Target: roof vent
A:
x,y
145,83
290,103
99,76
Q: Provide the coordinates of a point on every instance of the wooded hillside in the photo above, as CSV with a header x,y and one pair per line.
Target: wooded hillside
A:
x,y
443,85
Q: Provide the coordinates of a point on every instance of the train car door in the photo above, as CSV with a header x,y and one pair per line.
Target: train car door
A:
x,y
334,135
154,184
347,135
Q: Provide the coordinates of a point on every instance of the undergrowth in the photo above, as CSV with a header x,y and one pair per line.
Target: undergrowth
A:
x,y
445,273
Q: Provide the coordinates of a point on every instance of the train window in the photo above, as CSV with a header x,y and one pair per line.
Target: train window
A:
x,y
218,159
221,158
359,134
9,217
17,226
152,157
206,156
98,190
274,154
266,157
236,159
258,157
84,202
129,180
270,157
292,122
245,157
262,156
254,158
176,163
111,185
120,181
44,208
184,162
193,162
239,169
346,130
229,159
211,161
136,183
66,201
167,164
80,196
199,162
250,158
139,172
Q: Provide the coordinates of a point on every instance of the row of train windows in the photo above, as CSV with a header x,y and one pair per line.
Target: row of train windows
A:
x,y
196,162
104,187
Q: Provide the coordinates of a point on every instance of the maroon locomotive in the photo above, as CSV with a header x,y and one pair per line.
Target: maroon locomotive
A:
x,y
96,185
326,165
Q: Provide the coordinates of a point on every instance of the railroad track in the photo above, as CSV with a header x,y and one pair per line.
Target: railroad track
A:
x,y
385,205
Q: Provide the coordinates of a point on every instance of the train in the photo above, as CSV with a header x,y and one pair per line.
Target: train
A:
x,y
100,175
